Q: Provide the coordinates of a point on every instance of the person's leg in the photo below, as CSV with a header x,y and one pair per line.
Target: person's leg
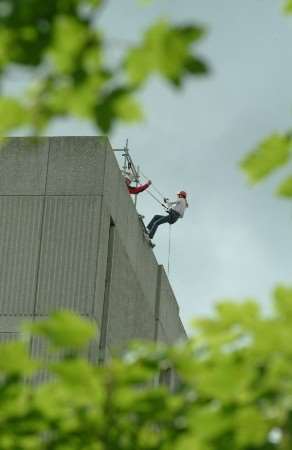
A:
x,y
149,226
160,221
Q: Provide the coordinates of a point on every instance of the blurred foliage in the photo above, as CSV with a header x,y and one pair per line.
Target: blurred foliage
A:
x,y
234,389
272,153
166,51
61,45
288,6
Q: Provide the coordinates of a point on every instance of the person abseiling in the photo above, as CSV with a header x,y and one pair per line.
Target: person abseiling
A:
x,y
135,189
176,211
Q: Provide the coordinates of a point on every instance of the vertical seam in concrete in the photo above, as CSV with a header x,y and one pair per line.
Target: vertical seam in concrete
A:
x,y
99,235
106,299
41,234
157,302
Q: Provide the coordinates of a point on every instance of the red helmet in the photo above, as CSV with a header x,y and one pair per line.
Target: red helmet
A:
x,y
182,194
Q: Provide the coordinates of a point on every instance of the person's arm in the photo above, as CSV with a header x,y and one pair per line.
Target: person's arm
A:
x,y
138,189
168,203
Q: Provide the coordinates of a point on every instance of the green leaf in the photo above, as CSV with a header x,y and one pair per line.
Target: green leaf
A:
x,y
166,50
287,8
144,59
80,375
283,301
251,428
6,41
13,114
196,66
62,46
271,154
15,360
231,313
127,108
285,188
118,104
173,53
65,329
191,33
233,319
209,423
95,3
70,37
218,383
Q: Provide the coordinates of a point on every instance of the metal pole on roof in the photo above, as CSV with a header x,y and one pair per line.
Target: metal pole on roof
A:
x,y
126,155
137,182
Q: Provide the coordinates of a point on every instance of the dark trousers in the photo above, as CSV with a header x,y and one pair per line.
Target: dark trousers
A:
x,y
157,220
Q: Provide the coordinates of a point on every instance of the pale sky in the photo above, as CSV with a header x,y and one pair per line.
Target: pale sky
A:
x,y
235,241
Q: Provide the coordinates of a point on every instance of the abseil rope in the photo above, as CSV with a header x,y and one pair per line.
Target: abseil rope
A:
x,y
156,199
169,248
153,186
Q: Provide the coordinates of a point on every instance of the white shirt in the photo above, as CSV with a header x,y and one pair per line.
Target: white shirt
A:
x,y
179,206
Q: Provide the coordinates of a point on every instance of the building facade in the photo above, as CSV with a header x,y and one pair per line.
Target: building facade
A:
x,y
70,237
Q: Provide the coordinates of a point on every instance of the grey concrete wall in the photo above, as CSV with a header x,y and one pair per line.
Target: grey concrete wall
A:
x,y
70,238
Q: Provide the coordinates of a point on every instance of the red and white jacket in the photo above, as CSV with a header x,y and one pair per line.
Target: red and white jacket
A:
x,y
136,189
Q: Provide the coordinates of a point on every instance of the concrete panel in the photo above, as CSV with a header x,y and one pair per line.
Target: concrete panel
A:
x,y
93,351
162,335
12,323
23,166
76,165
134,236
68,254
113,183
8,336
130,315
103,237
20,223
125,211
146,271
169,311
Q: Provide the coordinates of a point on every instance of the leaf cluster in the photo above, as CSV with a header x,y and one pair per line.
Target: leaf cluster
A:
x,y
287,6
61,46
270,155
233,387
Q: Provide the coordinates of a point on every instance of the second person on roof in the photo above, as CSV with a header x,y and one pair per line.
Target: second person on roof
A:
x,y
135,189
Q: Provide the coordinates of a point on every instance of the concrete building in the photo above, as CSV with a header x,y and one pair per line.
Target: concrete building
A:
x,y
70,237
